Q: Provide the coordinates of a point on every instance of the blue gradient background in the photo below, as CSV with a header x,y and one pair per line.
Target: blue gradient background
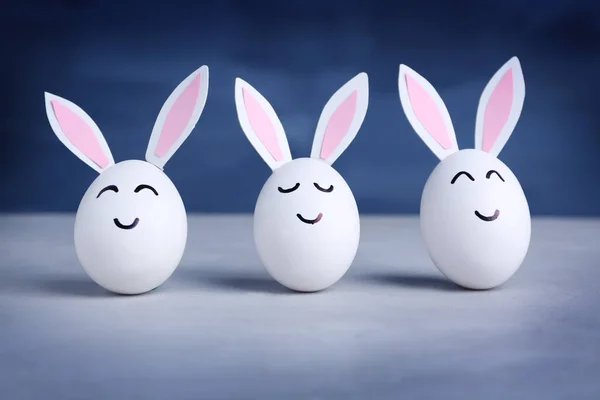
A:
x,y
120,62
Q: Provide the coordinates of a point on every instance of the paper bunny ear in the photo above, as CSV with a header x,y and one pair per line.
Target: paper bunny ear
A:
x,y
341,119
78,132
500,108
178,117
426,112
261,125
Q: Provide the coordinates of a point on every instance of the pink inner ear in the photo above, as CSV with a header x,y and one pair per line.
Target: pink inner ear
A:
x,y
179,116
338,125
262,125
80,134
497,111
428,113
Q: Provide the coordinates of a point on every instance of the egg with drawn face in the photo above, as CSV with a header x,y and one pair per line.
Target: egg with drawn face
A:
x,y
306,225
131,224
475,219
131,228
478,234
306,221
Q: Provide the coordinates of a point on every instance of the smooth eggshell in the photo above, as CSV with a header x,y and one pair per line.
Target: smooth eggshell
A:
x,y
306,257
473,253
140,259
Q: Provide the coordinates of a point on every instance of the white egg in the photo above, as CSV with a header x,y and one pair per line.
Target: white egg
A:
x,y
474,215
308,236
131,225
131,228
306,222
477,231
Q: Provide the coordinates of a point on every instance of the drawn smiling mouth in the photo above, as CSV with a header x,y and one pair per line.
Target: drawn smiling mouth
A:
x,y
130,226
310,221
488,219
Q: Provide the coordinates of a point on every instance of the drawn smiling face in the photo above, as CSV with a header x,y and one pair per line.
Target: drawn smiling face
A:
x,y
115,188
306,224
474,213
317,219
307,194
131,227
491,173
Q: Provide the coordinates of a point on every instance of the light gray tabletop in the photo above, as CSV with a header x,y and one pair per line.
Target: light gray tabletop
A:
x,y
220,328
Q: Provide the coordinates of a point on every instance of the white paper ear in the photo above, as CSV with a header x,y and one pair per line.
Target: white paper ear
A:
x,y
78,132
261,125
341,119
178,117
426,112
500,107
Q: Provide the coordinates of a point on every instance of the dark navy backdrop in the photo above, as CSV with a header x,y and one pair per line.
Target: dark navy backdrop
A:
x,y
119,62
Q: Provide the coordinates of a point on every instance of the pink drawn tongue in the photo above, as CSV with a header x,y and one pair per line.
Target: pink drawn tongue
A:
x,y
318,217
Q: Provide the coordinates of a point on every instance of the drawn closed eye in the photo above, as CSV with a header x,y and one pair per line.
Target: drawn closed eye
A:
x,y
144,186
290,190
109,188
328,190
490,172
465,173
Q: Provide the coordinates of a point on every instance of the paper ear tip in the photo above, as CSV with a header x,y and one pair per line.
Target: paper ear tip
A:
x,y
49,97
360,82
404,69
242,86
240,83
203,70
363,76
515,64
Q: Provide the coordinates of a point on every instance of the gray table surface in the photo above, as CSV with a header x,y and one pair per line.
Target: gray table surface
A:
x,y
220,328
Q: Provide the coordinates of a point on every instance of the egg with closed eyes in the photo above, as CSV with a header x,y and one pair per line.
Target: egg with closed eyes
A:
x,y
131,225
306,220
475,218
